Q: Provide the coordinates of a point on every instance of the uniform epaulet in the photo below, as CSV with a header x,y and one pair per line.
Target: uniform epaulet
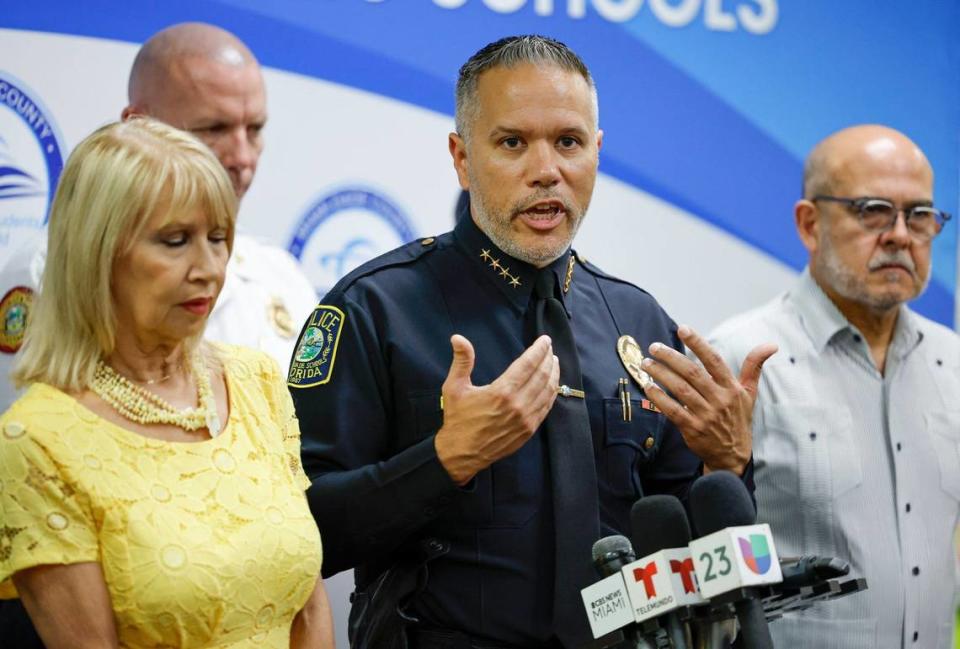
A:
x,y
401,256
596,272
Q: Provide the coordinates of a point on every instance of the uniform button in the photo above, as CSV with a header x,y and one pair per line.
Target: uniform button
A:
x,y
429,511
444,500
915,571
915,636
648,443
856,337
813,434
908,508
428,241
939,361
899,446
793,360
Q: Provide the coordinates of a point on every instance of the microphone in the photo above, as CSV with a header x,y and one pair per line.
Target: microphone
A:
x,y
806,580
733,553
663,580
806,571
611,553
606,602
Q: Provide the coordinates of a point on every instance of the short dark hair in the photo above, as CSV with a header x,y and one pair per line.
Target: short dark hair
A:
x,y
509,52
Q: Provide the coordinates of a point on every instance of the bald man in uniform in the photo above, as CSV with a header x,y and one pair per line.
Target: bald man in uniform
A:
x,y
856,430
204,80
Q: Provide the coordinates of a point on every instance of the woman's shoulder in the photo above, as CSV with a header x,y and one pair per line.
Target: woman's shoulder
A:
x,y
41,413
38,403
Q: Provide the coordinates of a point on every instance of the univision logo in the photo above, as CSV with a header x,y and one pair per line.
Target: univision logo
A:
x,y
756,553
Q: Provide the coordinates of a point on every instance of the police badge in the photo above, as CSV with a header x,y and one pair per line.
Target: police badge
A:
x,y
632,356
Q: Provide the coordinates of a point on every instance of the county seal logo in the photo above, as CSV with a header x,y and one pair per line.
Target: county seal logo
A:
x,y
14,314
30,161
344,228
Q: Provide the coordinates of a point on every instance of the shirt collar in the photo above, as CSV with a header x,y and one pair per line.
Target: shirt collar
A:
x,y
512,277
820,316
823,320
907,333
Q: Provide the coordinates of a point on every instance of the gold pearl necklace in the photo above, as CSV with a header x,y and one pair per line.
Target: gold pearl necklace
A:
x,y
140,405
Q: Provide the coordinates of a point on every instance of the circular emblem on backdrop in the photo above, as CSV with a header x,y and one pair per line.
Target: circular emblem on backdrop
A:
x,y
30,159
14,313
345,228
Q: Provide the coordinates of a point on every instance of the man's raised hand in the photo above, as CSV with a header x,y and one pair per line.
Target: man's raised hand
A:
x,y
482,424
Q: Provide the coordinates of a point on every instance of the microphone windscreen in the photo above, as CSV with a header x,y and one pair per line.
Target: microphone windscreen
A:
x,y
612,553
719,500
658,522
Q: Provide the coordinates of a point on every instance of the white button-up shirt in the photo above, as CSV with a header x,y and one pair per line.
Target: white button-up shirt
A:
x,y
859,465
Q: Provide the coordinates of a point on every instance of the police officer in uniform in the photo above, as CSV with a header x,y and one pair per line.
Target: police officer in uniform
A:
x,y
202,79
428,381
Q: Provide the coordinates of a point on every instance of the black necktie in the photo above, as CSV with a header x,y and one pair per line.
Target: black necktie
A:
x,y
573,475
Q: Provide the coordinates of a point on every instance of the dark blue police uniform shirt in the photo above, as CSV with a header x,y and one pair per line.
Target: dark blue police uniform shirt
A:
x,y
368,400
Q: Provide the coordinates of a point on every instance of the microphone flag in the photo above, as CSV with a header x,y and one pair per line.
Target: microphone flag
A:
x,y
661,582
735,557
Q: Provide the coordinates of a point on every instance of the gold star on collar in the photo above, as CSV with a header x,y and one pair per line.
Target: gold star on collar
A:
x,y
503,271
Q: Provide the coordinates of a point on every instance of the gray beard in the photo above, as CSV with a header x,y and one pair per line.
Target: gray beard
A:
x,y
842,280
497,228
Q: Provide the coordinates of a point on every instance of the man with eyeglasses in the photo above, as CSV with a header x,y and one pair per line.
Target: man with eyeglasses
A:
x,y
857,425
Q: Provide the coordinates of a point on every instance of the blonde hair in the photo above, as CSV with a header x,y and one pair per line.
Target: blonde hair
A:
x,y
113,183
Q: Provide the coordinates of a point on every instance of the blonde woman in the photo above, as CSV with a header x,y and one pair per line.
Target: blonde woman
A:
x,y
151,492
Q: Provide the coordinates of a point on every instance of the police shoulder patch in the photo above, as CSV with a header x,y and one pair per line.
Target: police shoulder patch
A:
x,y
14,314
316,350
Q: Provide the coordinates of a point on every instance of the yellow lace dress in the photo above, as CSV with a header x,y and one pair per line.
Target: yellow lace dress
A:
x,y
206,544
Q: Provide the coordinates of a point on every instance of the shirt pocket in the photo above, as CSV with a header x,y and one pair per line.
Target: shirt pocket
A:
x,y
944,429
809,449
627,445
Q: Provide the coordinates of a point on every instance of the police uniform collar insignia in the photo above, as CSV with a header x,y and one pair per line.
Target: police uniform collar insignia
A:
x,y
316,350
632,356
279,317
512,277
15,314
502,271
569,276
